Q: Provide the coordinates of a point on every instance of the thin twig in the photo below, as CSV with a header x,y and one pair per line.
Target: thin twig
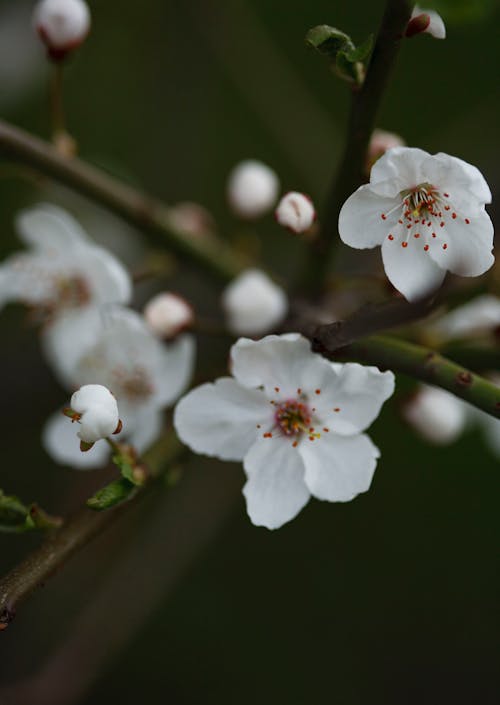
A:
x,y
365,104
139,209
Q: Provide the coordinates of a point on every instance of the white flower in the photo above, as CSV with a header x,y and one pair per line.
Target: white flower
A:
x,y
296,212
427,212
296,421
62,24
168,315
252,189
428,21
437,415
478,317
97,412
253,303
380,142
114,347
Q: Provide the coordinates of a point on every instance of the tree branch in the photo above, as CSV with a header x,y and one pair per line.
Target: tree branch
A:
x,y
76,533
365,104
137,208
417,362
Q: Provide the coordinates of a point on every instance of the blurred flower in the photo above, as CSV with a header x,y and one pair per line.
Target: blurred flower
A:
x,y
167,315
427,212
478,317
193,219
296,212
96,410
296,421
428,21
114,347
253,303
252,189
436,415
380,142
62,25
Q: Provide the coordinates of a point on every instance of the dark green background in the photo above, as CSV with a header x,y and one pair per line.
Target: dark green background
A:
x,y
391,599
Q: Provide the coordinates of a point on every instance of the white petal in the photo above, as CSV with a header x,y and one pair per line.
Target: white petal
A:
x,y
172,368
49,228
410,269
398,169
60,440
463,181
31,278
282,362
436,26
358,392
338,467
478,317
221,419
360,221
275,490
145,428
468,245
108,280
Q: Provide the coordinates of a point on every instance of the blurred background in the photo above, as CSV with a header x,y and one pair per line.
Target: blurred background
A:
x,y
390,599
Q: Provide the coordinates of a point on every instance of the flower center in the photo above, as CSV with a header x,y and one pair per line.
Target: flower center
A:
x,y
420,201
134,382
292,417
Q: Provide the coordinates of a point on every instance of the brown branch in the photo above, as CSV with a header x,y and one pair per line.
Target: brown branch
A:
x,y
137,208
365,104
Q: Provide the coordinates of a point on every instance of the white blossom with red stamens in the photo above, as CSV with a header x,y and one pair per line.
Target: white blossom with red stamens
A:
x,y
296,421
428,214
62,25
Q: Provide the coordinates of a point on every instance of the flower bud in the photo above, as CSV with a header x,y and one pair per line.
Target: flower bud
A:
x,y
427,21
168,315
253,303
97,413
436,415
296,212
62,25
252,189
380,142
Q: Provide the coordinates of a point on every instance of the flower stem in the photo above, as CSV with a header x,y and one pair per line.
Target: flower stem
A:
x,y
211,256
420,363
365,104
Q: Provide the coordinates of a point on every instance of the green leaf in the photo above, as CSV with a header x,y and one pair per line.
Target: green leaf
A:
x,y
13,514
361,52
328,40
128,468
111,495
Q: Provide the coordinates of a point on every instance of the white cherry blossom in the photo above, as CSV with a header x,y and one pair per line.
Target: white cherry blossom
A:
x,y
295,419
296,212
426,21
252,189
253,303
114,347
61,24
168,314
428,214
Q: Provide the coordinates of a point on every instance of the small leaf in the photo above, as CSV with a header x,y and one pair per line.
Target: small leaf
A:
x,y
13,514
111,495
328,40
361,52
349,71
128,468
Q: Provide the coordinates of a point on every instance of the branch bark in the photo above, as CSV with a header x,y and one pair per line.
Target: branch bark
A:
x,y
365,104
140,210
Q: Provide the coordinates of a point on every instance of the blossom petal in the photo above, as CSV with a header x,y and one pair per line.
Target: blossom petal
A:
x,y
468,250
107,278
463,181
410,269
361,224
358,393
143,429
398,169
221,419
30,278
60,440
275,491
339,467
173,368
49,228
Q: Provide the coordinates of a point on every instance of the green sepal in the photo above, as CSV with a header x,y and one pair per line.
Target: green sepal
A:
x,y
115,493
361,52
128,467
349,71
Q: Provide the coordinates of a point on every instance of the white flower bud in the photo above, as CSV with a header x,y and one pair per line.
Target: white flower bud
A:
x,y
253,303
97,412
252,189
62,25
436,415
380,142
168,315
296,212
426,21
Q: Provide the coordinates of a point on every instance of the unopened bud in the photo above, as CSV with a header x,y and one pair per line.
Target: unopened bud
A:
x,y
168,315
296,212
436,415
62,25
98,412
380,142
252,189
427,21
253,303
